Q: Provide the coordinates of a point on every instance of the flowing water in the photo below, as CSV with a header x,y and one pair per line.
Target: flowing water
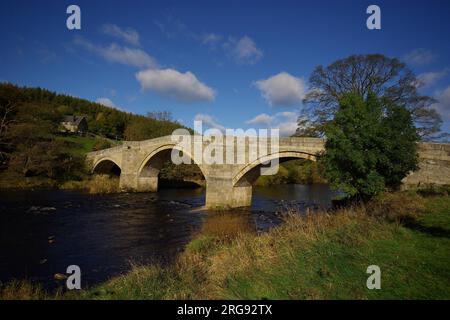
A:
x,y
44,231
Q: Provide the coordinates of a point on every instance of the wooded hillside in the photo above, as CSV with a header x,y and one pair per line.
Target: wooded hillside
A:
x,y
31,142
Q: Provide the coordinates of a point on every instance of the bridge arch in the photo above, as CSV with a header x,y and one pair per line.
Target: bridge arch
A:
x,y
106,165
161,153
150,167
250,172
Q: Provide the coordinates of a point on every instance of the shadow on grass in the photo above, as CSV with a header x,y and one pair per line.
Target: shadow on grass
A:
x,y
415,225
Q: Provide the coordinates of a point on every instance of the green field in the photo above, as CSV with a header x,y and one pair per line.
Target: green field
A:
x,y
80,145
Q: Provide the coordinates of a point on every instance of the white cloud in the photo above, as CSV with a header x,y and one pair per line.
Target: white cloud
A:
x,y
262,118
47,56
184,87
427,79
115,53
443,103
211,39
128,35
106,102
209,121
287,128
282,89
419,57
243,50
172,28
286,122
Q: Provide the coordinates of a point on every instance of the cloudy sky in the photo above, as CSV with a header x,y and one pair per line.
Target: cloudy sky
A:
x,y
236,64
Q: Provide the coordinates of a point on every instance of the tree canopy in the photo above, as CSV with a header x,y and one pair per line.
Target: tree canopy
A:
x,y
369,146
387,78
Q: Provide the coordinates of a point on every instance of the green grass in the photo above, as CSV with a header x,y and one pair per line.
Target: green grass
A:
x,y
80,145
13,180
320,256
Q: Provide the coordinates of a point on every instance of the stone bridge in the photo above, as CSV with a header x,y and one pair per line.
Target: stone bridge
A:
x,y
229,185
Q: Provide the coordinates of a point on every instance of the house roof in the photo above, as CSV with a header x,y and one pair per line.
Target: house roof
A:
x,y
74,119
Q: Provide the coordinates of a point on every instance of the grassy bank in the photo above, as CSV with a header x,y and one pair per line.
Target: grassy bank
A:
x,y
95,184
320,256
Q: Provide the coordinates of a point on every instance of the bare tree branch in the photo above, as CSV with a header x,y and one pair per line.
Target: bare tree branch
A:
x,y
388,78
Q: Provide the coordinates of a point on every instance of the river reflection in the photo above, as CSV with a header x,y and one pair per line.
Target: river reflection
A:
x,y
44,231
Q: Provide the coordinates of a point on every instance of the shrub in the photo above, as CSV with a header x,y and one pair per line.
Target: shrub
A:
x,y
370,145
101,144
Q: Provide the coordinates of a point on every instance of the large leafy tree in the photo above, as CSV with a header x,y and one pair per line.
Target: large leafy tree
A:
x,y
387,78
369,146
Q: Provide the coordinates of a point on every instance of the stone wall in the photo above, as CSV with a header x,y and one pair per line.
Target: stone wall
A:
x,y
434,167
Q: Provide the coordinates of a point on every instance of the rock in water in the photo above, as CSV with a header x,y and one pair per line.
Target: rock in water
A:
x,y
60,276
33,209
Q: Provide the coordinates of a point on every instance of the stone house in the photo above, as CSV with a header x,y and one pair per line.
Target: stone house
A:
x,y
75,124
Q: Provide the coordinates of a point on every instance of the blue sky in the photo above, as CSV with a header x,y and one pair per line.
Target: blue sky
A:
x,y
236,64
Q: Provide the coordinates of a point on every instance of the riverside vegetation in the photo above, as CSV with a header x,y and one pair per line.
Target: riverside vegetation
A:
x,y
321,255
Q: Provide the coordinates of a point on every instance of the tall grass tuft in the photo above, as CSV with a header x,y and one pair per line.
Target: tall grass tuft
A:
x,y
96,184
103,184
22,290
226,226
397,207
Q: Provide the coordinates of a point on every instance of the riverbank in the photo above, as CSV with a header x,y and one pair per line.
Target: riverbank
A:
x,y
320,256
97,184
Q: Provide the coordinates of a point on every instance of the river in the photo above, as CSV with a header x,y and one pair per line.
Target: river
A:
x,y
44,231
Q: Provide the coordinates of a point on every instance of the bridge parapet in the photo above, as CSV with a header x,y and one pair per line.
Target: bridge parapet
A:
x,y
434,166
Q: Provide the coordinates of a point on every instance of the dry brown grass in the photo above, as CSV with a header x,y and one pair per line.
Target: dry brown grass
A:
x,y
226,226
97,184
396,207
103,184
21,290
